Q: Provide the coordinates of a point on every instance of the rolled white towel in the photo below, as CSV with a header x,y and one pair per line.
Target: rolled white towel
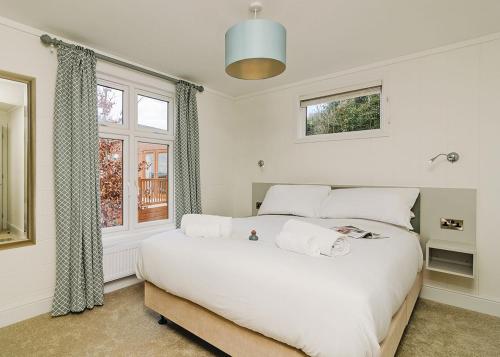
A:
x,y
210,230
224,223
325,237
341,247
298,243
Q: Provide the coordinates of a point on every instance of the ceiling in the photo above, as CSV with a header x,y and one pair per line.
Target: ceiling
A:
x,y
185,38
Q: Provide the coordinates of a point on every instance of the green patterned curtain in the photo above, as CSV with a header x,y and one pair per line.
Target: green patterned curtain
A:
x,y
79,275
186,153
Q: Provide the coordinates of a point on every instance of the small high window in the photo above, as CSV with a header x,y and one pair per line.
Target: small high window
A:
x,y
355,110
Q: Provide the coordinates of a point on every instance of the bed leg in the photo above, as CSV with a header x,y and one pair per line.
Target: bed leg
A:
x,y
162,320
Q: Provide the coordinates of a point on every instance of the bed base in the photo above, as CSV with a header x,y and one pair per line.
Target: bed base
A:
x,y
239,341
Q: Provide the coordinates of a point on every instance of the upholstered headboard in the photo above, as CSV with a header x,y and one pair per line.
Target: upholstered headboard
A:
x,y
431,205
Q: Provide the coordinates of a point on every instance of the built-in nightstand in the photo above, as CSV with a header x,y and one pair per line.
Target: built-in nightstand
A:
x,y
451,257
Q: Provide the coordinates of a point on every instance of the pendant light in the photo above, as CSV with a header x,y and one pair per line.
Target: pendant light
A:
x,y
256,48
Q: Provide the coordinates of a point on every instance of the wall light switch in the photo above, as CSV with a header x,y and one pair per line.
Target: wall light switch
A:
x,y
452,223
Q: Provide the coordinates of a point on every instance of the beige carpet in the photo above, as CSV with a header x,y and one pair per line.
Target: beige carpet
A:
x,y
123,327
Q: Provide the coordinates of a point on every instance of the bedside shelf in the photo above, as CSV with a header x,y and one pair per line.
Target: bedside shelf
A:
x,y
451,257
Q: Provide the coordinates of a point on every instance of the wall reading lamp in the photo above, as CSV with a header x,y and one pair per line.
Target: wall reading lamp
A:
x,y
451,157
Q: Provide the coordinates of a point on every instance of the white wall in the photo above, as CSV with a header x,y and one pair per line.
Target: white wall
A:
x,y
438,102
16,171
489,171
27,274
217,127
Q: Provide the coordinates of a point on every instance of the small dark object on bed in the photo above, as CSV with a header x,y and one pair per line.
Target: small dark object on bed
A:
x,y
253,235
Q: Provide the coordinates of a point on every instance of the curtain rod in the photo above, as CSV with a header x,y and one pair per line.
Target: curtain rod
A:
x,y
47,40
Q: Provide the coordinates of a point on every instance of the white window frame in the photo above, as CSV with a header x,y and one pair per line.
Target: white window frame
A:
x,y
383,131
131,133
149,92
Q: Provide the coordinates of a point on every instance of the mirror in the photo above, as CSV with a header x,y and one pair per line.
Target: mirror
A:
x,y
17,93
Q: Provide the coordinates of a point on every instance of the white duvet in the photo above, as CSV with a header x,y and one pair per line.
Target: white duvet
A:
x,y
325,306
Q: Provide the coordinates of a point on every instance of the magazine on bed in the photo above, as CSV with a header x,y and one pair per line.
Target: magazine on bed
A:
x,y
357,233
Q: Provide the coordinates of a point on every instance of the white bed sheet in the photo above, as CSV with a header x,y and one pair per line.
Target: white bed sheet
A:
x,y
325,306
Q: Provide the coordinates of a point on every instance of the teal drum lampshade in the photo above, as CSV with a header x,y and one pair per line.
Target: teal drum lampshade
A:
x,y
256,49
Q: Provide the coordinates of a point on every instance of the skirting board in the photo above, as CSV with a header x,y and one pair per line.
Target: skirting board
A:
x,y
25,311
464,301
43,305
120,283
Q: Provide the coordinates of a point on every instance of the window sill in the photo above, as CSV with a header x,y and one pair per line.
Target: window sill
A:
x,y
113,240
354,135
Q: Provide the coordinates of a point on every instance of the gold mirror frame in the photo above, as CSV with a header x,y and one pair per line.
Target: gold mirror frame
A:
x,y
30,157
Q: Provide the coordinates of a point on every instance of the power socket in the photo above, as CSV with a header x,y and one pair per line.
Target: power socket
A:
x,y
452,223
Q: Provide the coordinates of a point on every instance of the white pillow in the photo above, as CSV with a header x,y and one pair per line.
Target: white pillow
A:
x,y
390,205
297,200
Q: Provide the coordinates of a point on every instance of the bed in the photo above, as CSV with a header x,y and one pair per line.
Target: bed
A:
x,y
253,299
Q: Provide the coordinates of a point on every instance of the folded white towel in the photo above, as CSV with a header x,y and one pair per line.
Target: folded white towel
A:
x,y
298,243
224,223
325,237
210,230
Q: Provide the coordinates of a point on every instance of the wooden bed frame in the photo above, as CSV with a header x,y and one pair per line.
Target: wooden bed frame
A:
x,y
242,342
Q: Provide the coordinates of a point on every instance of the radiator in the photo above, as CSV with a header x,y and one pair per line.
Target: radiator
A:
x,y
119,262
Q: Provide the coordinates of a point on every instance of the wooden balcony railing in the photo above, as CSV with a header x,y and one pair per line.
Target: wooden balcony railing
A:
x,y
153,192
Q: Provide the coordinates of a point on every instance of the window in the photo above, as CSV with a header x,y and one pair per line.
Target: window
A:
x,y
153,181
111,181
152,113
109,105
134,155
350,111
